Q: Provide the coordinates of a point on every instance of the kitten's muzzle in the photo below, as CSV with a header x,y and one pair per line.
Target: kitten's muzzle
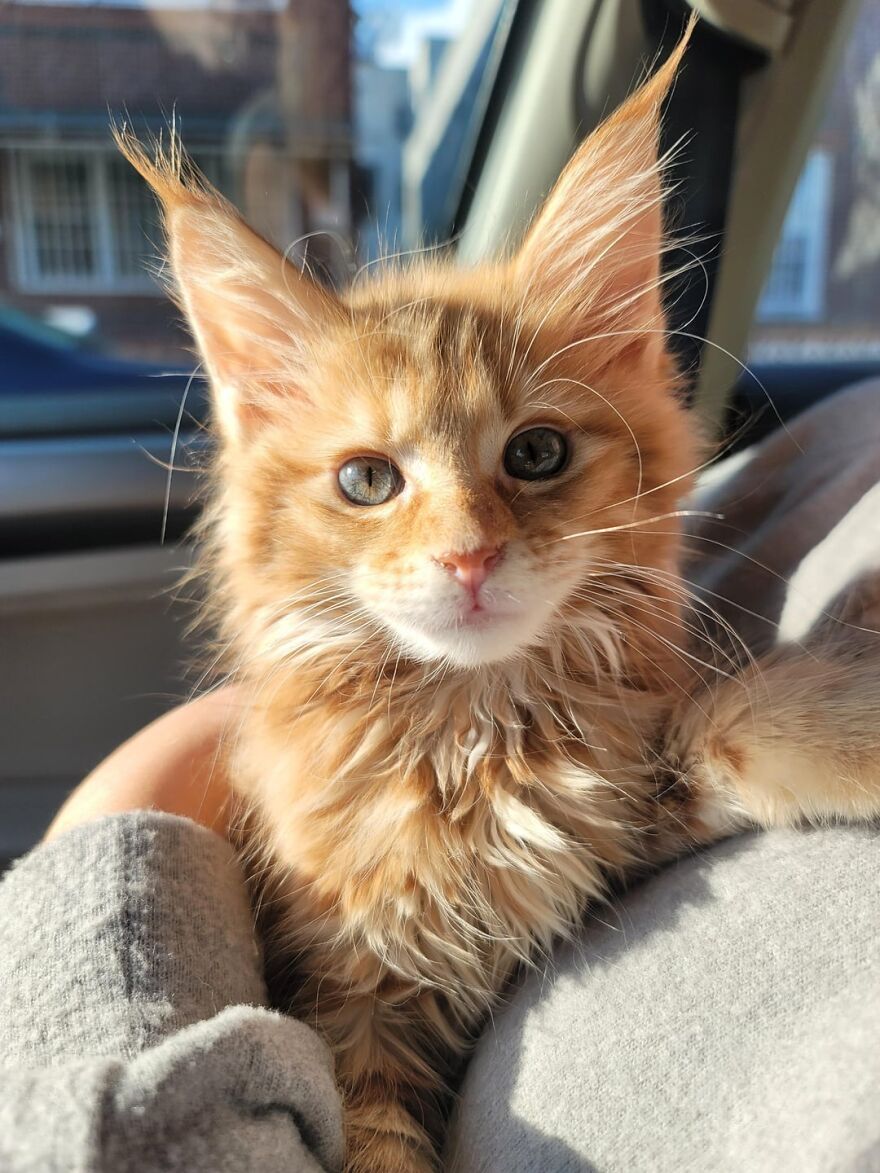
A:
x,y
472,567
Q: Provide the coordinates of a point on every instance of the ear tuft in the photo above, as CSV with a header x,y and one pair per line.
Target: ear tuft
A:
x,y
168,171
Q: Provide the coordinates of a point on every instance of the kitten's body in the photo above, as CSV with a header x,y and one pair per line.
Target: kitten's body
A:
x,y
442,771
428,826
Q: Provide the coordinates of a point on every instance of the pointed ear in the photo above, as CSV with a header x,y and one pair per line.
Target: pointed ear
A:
x,y
252,313
592,254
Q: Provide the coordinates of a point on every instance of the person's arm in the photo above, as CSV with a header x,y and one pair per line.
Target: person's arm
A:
x,y
134,1033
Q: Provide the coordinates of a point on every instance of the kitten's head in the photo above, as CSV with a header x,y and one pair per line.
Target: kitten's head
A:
x,y
445,460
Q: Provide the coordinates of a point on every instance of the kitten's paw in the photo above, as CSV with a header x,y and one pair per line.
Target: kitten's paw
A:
x,y
705,776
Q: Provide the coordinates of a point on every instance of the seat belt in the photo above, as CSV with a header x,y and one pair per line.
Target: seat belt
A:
x,y
702,108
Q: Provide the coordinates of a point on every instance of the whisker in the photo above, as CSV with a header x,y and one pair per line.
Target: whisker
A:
x,y
166,505
612,529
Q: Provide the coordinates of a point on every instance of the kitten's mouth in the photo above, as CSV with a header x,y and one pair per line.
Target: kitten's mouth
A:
x,y
474,619
467,636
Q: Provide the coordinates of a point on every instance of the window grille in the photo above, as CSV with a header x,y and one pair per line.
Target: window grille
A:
x,y
86,222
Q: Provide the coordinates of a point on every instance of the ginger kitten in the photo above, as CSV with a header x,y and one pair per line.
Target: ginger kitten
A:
x,y
443,550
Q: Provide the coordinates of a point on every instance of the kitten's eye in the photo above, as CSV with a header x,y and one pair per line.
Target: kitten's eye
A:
x,y
369,480
536,454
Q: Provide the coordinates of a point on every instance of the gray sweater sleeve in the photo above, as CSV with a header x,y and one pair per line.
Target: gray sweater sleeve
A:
x,y
134,1033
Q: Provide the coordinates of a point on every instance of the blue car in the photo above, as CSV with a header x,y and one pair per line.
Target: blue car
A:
x,y
50,382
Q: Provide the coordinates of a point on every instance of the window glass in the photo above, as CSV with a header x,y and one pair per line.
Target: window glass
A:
x,y
820,301
309,114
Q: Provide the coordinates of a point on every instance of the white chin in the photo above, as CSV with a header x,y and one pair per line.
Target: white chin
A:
x,y
465,646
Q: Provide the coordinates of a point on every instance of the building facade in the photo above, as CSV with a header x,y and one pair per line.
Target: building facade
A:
x,y
262,98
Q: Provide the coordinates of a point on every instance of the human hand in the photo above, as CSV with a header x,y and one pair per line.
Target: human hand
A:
x,y
176,764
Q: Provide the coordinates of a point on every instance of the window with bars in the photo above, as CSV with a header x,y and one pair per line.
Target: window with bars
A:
x,y
86,222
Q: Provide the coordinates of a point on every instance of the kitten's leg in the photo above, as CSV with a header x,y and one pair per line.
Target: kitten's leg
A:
x,y
795,737
389,1050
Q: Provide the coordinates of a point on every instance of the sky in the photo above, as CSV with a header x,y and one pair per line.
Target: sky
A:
x,y
400,25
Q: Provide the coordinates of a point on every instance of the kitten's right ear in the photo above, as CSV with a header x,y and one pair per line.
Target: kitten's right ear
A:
x,y
251,311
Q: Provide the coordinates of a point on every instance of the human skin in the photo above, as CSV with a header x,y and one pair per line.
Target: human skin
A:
x,y
173,765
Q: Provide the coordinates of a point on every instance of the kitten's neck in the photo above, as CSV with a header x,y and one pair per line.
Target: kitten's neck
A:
x,y
553,694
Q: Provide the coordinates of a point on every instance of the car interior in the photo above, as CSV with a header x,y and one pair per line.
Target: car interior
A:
x,y
100,458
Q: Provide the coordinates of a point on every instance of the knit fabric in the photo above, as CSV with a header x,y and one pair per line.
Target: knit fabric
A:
x,y
724,1016
134,1033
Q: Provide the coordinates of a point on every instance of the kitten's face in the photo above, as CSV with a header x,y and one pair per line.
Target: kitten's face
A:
x,y
447,462
433,488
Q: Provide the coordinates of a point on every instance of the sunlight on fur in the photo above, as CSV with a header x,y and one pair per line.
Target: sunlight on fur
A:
x,y
443,559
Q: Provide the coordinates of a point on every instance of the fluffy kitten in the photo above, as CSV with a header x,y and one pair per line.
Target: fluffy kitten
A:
x,y
443,548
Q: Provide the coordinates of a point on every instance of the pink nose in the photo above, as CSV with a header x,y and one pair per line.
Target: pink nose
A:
x,y
472,568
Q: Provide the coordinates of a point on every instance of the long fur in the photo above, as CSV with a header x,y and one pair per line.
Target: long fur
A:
x,y
431,807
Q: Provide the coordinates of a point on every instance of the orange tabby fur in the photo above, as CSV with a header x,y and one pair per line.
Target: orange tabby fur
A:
x,y
432,818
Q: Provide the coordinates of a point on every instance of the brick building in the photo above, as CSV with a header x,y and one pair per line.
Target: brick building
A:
x,y
263,99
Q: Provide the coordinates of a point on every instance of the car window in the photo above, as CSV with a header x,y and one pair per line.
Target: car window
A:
x,y
310,116
821,299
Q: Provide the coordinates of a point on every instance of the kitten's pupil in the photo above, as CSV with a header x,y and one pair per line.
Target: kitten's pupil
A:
x,y
536,454
369,480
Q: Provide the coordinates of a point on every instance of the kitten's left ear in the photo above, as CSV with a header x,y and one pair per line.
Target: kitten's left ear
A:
x,y
252,312
591,258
